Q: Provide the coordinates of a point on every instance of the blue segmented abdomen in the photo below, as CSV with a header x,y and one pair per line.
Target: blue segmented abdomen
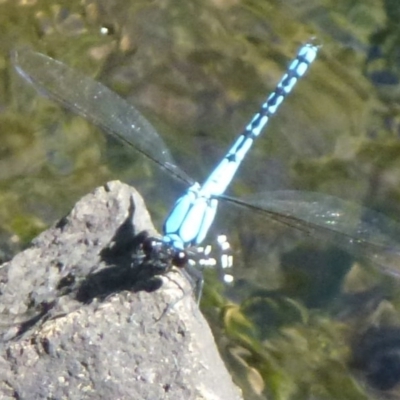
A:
x,y
296,70
194,212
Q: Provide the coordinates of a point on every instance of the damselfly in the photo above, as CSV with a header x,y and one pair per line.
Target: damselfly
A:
x,y
347,225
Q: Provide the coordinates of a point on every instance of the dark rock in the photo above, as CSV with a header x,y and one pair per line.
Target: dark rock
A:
x,y
76,324
376,355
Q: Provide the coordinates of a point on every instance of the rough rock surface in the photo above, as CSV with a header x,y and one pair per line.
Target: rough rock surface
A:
x,y
76,324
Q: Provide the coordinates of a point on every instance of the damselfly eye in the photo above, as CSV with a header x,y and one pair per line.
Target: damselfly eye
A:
x,y
180,258
150,245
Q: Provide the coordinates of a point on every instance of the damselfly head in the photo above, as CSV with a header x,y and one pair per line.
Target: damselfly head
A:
x,y
180,258
151,245
157,249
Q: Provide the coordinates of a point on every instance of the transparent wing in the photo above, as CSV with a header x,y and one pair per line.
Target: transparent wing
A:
x,y
359,230
96,103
